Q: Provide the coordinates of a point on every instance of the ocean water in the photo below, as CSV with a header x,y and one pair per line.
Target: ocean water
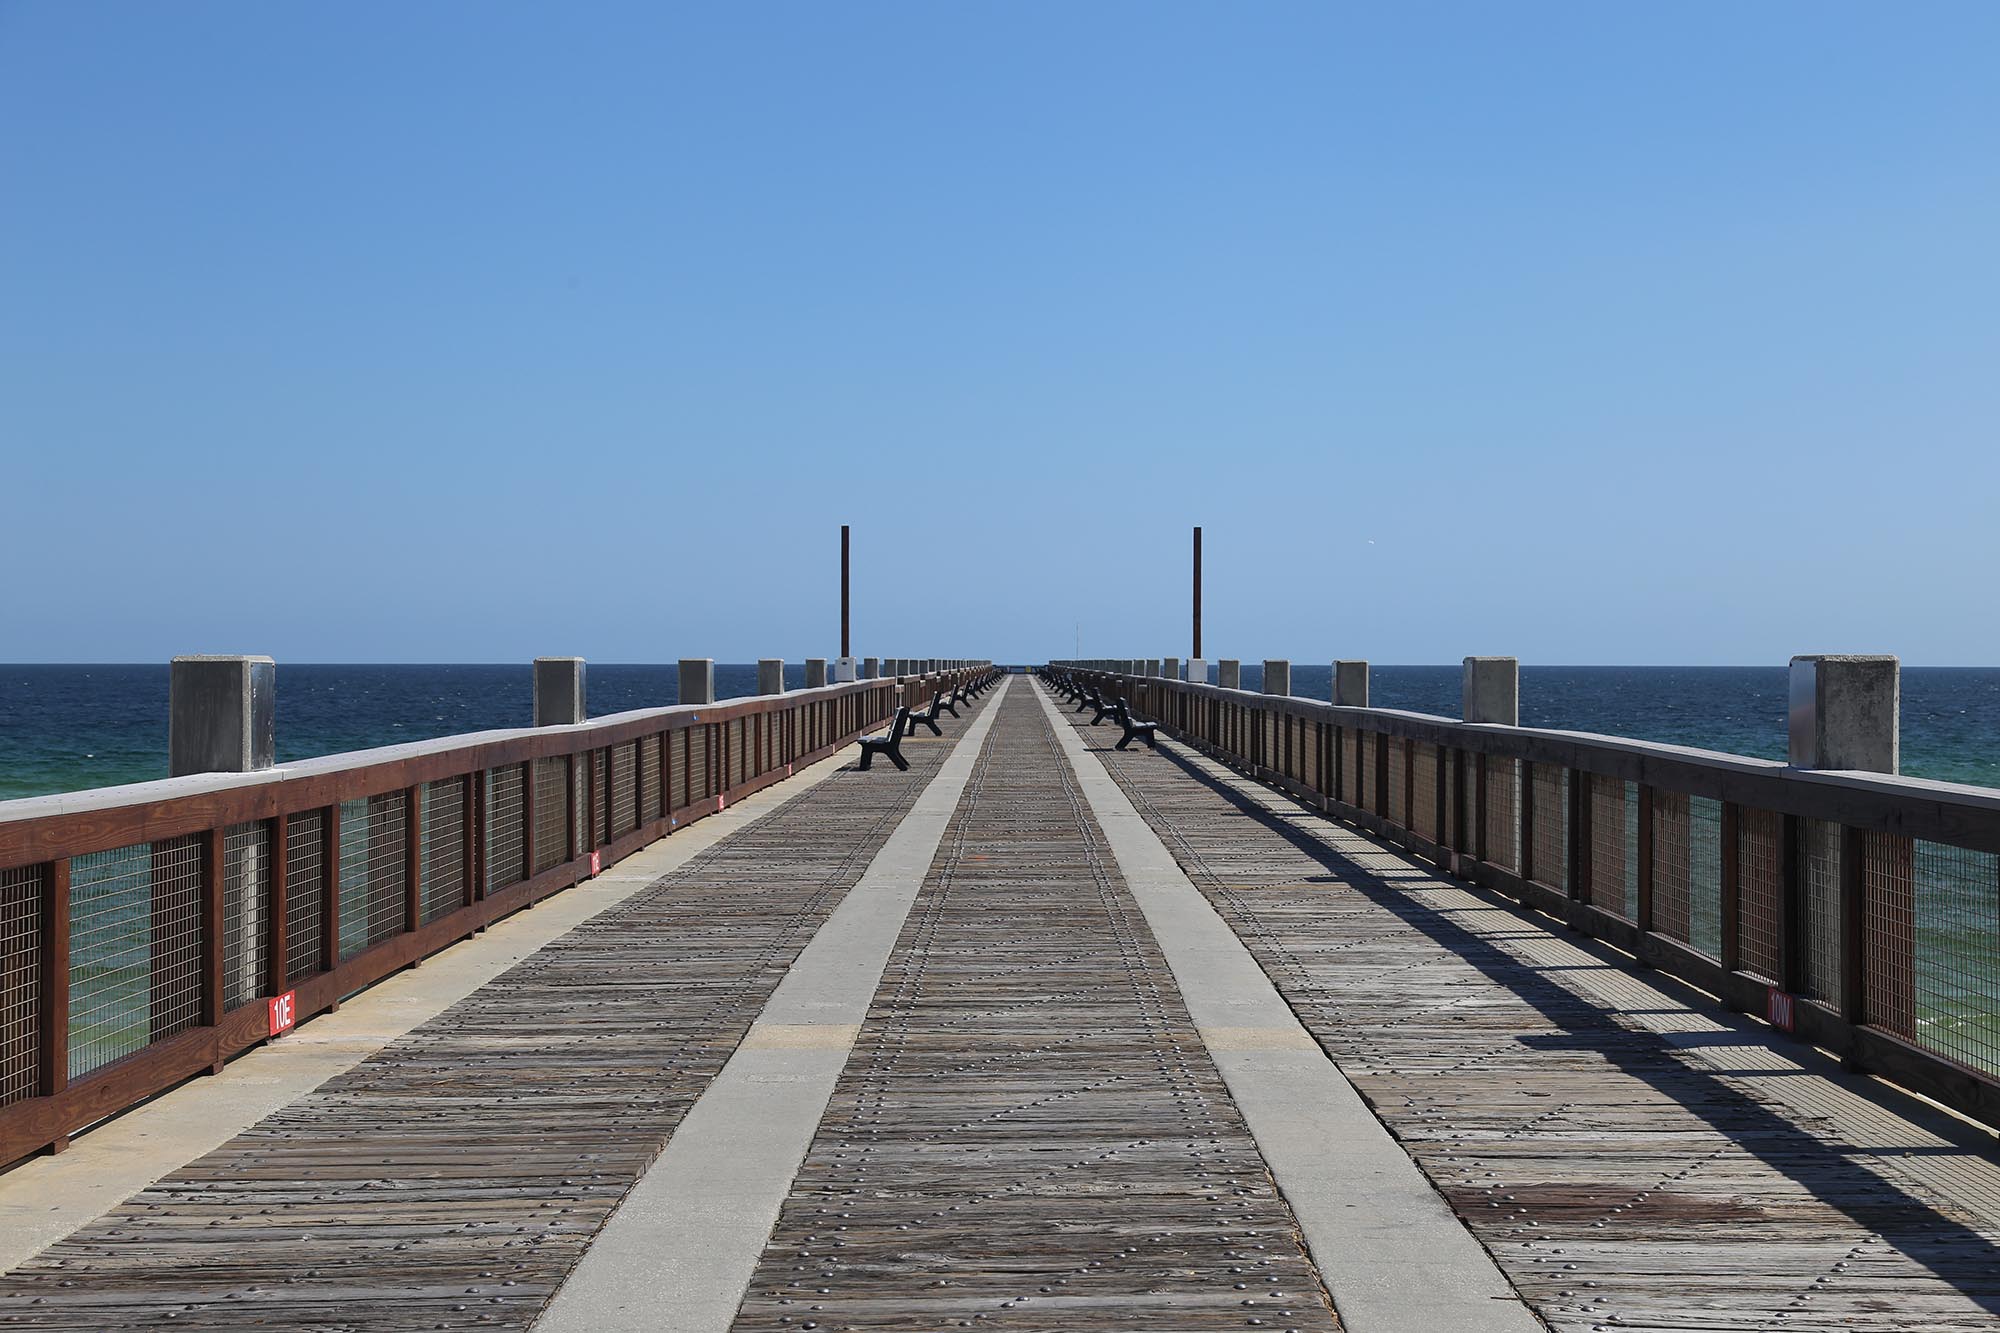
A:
x,y
63,728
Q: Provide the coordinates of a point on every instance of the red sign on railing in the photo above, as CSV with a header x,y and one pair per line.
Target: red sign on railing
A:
x,y
1779,1009
596,864
284,1012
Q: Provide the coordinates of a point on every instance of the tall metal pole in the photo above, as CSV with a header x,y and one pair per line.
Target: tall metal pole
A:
x,y
846,647
1197,593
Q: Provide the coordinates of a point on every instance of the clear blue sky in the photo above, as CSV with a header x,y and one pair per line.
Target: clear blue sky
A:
x,y
1582,332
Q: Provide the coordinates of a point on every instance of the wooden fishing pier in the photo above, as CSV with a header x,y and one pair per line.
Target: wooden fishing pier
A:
x,y
1315,1016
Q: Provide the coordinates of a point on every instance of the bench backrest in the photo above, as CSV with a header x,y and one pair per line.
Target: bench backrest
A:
x,y
902,723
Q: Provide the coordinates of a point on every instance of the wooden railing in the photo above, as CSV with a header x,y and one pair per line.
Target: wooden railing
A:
x,y
150,932
1860,910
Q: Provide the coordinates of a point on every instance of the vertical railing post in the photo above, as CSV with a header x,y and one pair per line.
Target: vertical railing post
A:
x,y
413,857
212,855
329,892
1731,895
1845,712
277,910
54,1035
1578,850
472,798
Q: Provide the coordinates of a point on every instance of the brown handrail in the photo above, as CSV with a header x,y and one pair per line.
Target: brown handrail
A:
x,y
1803,896
173,918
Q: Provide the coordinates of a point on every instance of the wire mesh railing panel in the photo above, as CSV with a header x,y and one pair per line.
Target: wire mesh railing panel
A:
x,y
1957,898
373,877
135,949
624,788
1350,765
595,810
650,788
1819,895
246,877
1503,807
1705,875
1614,845
551,821
1889,934
442,841
1423,814
736,756
1550,834
1398,793
1670,864
21,909
506,827
1760,892
305,888
699,778
677,769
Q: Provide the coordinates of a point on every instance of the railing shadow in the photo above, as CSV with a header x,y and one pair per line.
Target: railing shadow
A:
x,y
1961,1256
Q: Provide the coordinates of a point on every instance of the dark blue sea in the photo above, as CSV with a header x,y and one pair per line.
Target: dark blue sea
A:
x,y
68,727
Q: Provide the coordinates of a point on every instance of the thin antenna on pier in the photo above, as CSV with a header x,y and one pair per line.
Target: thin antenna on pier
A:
x,y
846,647
1197,593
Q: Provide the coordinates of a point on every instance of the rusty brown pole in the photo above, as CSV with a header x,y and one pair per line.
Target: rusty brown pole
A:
x,y
1197,593
846,649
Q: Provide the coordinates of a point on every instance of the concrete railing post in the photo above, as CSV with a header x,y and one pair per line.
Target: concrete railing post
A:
x,y
1350,684
697,680
770,675
1197,671
1277,675
1170,667
815,672
1229,674
1846,712
1490,690
558,691
871,668
221,714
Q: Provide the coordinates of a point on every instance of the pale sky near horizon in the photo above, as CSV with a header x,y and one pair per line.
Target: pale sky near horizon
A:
x,y
471,332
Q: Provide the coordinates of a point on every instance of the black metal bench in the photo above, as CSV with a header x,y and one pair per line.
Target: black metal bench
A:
x,y
1134,730
1086,699
890,743
928,716
1102,708
946,702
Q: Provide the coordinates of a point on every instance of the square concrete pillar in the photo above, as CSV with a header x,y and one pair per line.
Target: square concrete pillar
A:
x,y
221,714
1350,684
1490,690
1170,667
697,680
1229,674
815,672
1277,675
1150,667
1846,712
1197,671
558,691
845,669
871,668
770,675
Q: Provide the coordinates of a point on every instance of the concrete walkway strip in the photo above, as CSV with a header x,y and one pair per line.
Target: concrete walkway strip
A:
x,y
47,1198
680,1251
1390,1250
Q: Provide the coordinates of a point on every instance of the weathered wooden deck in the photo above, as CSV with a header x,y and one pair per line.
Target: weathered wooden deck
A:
x,y
1031,1131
